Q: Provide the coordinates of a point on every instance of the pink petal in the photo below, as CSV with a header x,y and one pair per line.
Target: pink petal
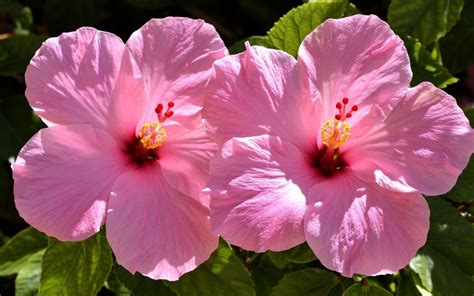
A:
x,y
184,160
175,55
260,91
360,228
257,193
63,177
154,229
129,100
357,57
423,144
71,77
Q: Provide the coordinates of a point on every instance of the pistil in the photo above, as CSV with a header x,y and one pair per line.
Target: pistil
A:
x,y
334,133
151,136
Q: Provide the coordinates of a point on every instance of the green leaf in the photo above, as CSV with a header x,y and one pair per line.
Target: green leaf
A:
x,y
76,268
425,67
150,4
222,274
114,284
300,254
265,275
470,115
311,281
19,14
435,52
63,16
11,7
18,123
406,285
6,194
458,45
446,261
16,52
351,9
27,281
340,287
260,40
8,139
369,290
426,20
463,191
239,46
136,284
290,30
16,252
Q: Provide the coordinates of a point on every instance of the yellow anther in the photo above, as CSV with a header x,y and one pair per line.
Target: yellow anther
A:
x,y
152,135
335,133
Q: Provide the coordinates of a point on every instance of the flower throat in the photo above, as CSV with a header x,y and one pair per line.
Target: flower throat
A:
x,y
334,133
145,146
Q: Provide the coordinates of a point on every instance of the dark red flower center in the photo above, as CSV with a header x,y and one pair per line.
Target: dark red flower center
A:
x,y
144,147
334,133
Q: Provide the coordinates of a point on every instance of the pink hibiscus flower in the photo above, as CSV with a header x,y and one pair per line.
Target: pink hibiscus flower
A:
x,y
125,145
333,148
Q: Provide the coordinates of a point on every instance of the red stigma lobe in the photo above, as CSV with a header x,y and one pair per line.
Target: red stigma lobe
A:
x,y
341,107
167,114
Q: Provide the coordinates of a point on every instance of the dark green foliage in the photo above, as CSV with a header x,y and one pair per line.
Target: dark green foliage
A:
x,y
439,37
75,268
447,256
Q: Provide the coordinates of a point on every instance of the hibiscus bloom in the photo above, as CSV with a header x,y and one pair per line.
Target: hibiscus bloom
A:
x,y
333,148
125,145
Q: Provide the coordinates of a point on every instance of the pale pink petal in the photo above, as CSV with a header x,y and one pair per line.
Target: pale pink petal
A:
x,y
154,229
175,56
357,57
129,100
184,160
63,177
257,193
360,228
423,144
260,91
71,77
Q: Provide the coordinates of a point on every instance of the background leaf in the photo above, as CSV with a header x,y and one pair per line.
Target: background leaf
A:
x,y
458,45
76,268
222,274
64,16
20,15
265,275
16,252
16,52
28,279
470,115
150,4
239,46
236,20
18,123
426,20
366,290
136,284
463,191
446,260
425,67
307,282
290,30
300,254
406,285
